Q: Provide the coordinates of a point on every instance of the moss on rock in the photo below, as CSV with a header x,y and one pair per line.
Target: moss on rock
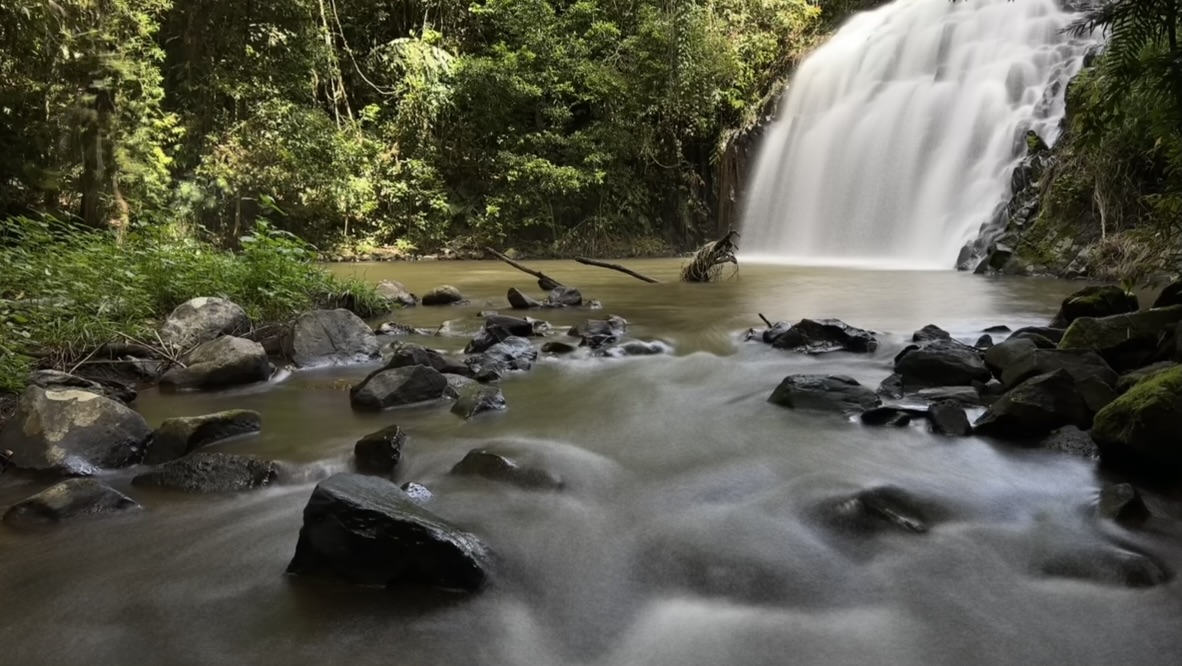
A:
x,y
1144,426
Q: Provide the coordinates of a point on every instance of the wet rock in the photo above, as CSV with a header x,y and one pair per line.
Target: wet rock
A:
x,y
395,328
177,437
1108,566
396,292
1170,296
1035,408
1073,441
639,348
816,336
495,467
221,363
203,472
55,380
512,355
558,348
1082,365
1045,332
596,333
457,384
1039,341
69,500
498,328
998,329
929,333
380,452
443,295
564,297
477,399
397,387
1126,341
983,343
1095,301
887,416
892,387
990,391
1143,427
405,355
818,392
330,337
201,320
961,396
875,510
948,418
73,432
364,530
1122,503
940,363
1130,379
521,301
419,494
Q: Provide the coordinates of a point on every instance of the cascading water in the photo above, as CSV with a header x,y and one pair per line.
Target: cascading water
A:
x,y
897,138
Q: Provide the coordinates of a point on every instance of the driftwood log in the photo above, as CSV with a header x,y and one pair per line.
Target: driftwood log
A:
x,y
545,282
616,267
707,261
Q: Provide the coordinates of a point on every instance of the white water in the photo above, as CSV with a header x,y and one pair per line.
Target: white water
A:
x,y
897,138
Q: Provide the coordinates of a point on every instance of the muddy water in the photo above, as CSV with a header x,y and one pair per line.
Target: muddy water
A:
x,y
684,536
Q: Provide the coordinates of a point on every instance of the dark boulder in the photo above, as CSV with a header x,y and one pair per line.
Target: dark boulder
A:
x,y
477,399
948,418
512,355
330,337
405,355
1131,379
962,396
1071,440
177,437
496,467
564,297
73,432
203,472
929,333
397,387
816,336
1002,328
1126,341
818,392
1007,353
418,493
1034,332
1095,301
68,500
443,295
364,530
983,343
1081,364
380,452
596,333
940,363
201,320
1171,295
221,363
887,416
1036,407
1122,503
558,348
55,380
521,301
498,328
876,510
1143,427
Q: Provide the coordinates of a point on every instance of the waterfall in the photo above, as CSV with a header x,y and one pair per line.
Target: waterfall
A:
x,y
896,139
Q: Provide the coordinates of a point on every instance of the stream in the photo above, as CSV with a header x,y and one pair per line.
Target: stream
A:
x,y
684,533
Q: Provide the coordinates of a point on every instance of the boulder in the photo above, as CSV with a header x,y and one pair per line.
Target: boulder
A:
x,y
1071,440
1122,503
1036,407
330,337
201,320
875,510
406,355
221,363
1171,295
887,416
1001,328
1045,332
398,386
558,348
396,292
204,472
564,297
962,396
1096,301
513,354
68,500
177,437
929,333
418,493
596,333
521,301
816,336
477,399
638,348
940,363
73,432
1126,341
948,418
1130,379
364,530
380,452
457,384
443,295
1143,427
983,343
496,467
1082,365
818,392
1007,353
498,328
55,380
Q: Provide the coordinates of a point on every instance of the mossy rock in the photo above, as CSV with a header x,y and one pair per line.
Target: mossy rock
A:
x,y
1126,341
1144,426
1096,301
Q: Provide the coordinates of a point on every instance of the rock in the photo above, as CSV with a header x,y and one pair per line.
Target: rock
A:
x,y
477,399
961,396
1082,365
366,531
558,348
496,467
869,512
998,329
330,337
55,380
396,292
1143,427
1073,441
73,432
419,494
1052,334
68,500
597,333
1130,379
398,328
940,363
818,392
929,333
1095,301
406,355
443,295
948,418
816,336
398,386
379,452
886,416
985,342
498,328
1122,503
221,363
1038,340
1126,341
201,320
564,297
1007,353
514,354
177,437
892,387
1036,407
457,384
638,348
1171,295
990,391
1111,566
203,472
520,301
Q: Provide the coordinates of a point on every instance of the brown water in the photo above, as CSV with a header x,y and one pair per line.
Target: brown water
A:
x,y
683,537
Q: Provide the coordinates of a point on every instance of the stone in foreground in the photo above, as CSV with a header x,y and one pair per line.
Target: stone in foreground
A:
x,y
177,437
818,392
221,363
1143,427
73,432
948,418
330,337
399,386
68,500
940,363
201,320
366,531
1035,408
211,473
496,467
817,336
380,452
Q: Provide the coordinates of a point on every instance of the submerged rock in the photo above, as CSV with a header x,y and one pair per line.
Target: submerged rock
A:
x,y
597,333
558,348
69,500
73,432
177,437
1126,341
330,337
397,387
817,336
201,320
819,392
1109,566
1143,427
1071,440
497,467
1122,503
478,399
222,363
418,493
364,530
638,348
512,355
887,416
948,418
55,380
443,295
203,472
1035,408
876,510
380,452
940,363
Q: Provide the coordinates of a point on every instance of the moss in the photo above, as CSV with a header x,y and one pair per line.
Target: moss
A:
x,y
1111,332
1148,418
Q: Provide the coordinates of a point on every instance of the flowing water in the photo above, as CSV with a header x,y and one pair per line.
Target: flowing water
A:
x,y
684,536
896,139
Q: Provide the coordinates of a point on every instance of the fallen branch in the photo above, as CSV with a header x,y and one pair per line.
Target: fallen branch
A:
x,y
704,267
545,282
769,324
616,267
